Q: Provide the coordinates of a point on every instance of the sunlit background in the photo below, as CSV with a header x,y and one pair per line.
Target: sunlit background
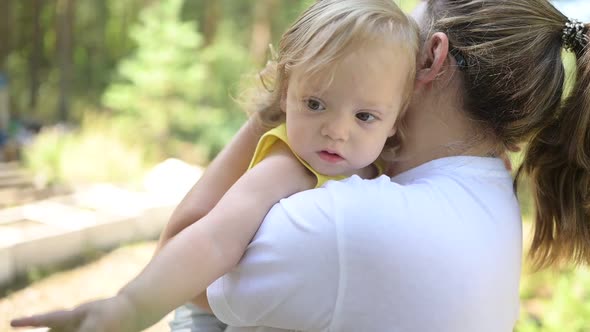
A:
x,y
110,109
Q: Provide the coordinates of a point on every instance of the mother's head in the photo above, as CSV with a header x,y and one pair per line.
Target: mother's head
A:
x,y
499,63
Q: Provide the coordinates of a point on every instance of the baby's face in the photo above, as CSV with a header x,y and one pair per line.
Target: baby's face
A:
x,y
339,124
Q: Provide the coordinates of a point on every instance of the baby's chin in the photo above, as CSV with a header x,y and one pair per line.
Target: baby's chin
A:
x,y
335,172
342,169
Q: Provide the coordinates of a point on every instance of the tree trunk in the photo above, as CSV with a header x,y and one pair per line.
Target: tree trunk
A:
x,y
264,10
65,48
211,21
36,52
7,27
97,52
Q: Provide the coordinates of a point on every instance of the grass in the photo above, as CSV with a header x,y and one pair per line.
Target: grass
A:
x,y
37,274
95,279
556,300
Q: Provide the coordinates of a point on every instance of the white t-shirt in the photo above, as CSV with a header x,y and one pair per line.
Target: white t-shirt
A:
x,y
437,248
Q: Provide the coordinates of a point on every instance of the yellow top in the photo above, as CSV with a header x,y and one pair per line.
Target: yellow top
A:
x,y
280,133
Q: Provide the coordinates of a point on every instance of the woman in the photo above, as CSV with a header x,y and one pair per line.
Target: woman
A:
x,y
448,259
437,247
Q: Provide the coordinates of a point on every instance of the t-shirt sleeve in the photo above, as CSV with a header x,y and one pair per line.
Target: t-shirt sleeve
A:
x,y
288,277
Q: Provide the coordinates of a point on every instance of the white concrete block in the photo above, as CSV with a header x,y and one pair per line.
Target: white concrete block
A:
x,y
12,214
24,230
47,251
110,199
112,233
7,269
60,215
62,228
151,223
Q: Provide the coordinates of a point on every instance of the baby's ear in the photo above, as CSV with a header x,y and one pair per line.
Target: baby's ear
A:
x,y
283,102
392,132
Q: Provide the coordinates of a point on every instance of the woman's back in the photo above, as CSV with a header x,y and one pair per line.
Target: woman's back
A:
x,y
358,262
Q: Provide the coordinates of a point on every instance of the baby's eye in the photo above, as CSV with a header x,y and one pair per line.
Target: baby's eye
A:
x,y
365,117
314,105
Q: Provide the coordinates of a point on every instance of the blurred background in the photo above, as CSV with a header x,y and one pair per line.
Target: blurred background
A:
x,y
108,91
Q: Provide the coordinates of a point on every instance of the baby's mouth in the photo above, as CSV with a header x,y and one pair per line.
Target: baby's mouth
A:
x,y
330,156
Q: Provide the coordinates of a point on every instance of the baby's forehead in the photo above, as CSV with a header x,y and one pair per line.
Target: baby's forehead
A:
x,y
367,90
377,60
328,48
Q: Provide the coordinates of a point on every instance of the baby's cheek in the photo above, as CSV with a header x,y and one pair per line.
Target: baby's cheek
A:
x,y
368,156
373,151
299,150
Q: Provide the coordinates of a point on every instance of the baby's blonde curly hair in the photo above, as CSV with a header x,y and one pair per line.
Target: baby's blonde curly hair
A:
x,y
323,35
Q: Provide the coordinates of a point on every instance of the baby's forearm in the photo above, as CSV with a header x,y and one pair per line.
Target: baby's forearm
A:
x,y
172,278
219,176
208,249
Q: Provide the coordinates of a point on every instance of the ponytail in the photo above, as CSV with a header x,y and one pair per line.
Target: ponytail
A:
x,y
514,78
557,163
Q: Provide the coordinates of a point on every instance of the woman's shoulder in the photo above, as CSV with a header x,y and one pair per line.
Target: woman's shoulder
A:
x,y
427,235
451,211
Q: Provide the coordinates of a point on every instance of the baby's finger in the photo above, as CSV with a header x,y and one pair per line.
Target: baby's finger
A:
x,y
89,325
56,319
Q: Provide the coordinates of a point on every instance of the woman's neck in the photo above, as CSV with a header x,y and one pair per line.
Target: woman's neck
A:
x,y
437,127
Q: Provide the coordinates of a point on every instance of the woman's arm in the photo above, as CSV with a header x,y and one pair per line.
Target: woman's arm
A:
x,y
219,176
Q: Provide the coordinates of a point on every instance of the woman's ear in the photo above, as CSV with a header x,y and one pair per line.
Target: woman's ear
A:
x,y
432,59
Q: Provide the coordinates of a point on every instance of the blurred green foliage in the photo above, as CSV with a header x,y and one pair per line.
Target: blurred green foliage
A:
x,y
163,76
171,89
100,149
555,301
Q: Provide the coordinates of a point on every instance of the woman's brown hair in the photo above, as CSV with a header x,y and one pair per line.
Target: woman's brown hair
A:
x,y
510,53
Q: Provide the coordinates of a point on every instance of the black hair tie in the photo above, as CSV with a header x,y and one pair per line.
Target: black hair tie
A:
x,y
573,36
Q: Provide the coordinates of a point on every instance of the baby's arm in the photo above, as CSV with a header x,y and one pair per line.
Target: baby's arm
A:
x,y
195,257
219,176
208,249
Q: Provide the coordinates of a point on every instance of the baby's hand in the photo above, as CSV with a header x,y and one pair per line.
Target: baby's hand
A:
x,y
115,314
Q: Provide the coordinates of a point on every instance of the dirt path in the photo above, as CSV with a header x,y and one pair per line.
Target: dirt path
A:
x,y
97,279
